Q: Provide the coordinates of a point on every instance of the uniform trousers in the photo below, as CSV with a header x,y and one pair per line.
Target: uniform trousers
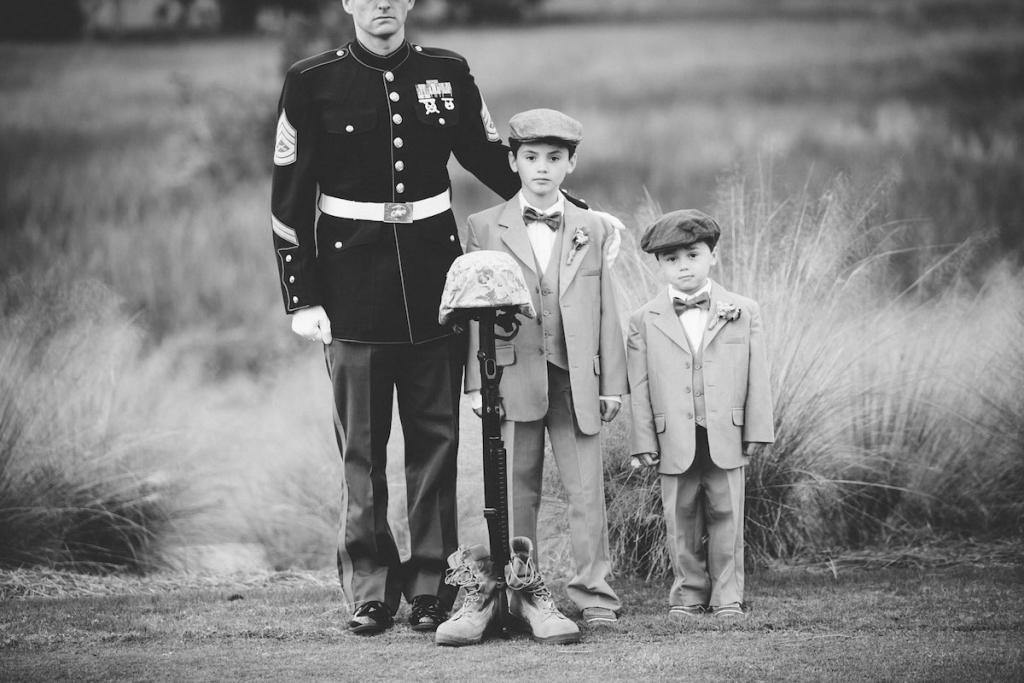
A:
x,y
578,457
705,501
427,379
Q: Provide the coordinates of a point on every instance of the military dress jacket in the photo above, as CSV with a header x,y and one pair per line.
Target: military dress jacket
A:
x,y
366,128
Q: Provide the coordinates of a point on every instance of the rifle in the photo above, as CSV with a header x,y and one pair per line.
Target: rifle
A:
x,y
494,454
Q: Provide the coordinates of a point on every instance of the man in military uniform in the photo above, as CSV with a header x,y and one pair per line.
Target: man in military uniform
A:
x,y
364,235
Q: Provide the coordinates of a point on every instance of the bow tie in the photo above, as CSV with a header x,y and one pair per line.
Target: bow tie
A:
x,y
699,301
552,220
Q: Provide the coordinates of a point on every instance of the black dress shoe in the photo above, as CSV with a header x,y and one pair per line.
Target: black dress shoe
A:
x,y
426,614
371,618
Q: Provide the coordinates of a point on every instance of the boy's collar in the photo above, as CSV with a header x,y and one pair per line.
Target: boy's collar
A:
x,y
557,207
674,293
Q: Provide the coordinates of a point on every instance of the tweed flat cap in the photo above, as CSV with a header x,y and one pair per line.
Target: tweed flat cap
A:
x,y
679,229
535,124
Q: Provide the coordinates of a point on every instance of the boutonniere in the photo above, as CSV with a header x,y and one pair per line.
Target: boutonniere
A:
x,y
580,239
727,311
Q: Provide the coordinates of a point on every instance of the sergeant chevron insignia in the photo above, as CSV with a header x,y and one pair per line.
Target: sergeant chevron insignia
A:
x,y
285,147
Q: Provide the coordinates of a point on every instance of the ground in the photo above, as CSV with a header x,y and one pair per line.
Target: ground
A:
x,y
806,623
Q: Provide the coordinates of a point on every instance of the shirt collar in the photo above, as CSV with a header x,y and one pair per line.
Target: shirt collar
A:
x,y
674,293
557,207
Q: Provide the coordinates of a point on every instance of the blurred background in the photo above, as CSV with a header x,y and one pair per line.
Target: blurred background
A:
x,y
864,157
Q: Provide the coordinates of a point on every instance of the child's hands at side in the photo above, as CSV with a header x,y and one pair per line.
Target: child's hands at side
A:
x,y
609,409
644,460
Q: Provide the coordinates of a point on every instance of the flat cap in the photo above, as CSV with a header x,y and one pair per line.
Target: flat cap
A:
x,y
535,124
679,229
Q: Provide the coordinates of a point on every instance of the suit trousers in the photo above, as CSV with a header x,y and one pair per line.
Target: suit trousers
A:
x,y
578,457
705,501
427,379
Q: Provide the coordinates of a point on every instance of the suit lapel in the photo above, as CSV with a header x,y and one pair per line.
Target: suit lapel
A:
x,y
715,323
513,234
666,320
574,219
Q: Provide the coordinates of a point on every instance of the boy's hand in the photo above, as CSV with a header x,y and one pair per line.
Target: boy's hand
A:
x,y
644,460
476,401
312,323
609,409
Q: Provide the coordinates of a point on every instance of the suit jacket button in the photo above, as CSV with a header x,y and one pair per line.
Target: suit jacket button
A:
x,y
687,389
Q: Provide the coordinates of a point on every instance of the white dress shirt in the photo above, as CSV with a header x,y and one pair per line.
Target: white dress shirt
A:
x,y
694,320
542,238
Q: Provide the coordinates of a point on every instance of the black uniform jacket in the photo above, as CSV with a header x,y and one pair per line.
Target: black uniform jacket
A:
x,y
366,128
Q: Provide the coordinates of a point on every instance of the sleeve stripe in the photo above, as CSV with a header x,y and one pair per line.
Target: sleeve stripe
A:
x,y
283,231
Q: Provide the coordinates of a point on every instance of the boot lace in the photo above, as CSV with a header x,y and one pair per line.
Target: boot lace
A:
x,y
465,575
523,575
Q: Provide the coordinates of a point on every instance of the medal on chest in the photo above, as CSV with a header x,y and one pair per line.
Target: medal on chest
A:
x,y
434,95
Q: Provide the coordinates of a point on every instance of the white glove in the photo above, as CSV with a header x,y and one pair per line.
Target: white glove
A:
x,y
476,401
312,323
611,249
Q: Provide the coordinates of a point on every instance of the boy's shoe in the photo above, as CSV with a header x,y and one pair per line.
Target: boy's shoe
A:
x,y
729,611
687,611
531,602
370,618
469,569
426,614
599,616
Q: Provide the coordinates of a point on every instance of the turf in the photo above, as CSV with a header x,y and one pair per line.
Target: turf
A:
x,y
891,624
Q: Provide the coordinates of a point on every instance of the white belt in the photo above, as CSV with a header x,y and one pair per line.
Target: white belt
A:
x,y
388,212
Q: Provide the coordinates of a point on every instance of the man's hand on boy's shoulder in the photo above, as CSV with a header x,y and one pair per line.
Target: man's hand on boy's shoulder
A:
x,y
639,460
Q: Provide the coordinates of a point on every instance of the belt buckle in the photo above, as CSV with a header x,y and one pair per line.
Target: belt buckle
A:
x,y
398,212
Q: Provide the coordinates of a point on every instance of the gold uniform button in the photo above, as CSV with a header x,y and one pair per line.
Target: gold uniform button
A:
x,y
417,48
291,279
397,118
399,143
451,238
400,188
441,120
337,245
288,258
399,165
388,76
349,128
393,96
340,53
295,299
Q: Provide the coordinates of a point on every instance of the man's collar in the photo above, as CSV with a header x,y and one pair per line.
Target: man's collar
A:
x,y
557,207
382,62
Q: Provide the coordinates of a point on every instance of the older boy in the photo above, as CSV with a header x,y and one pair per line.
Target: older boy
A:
x,y
701,398
566,372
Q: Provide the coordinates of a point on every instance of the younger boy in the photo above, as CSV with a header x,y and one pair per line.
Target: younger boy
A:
x,y
564,373
701,399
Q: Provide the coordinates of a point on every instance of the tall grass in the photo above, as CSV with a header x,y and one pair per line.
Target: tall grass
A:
x,y
88,476
898,406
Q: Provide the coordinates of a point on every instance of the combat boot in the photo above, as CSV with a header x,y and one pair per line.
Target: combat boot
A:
x,y
530,601
469,569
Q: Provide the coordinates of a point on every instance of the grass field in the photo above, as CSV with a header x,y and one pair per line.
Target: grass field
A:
x,y
921,623
152,395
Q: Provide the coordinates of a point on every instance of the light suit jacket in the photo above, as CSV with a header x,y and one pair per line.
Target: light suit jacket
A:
x,y
737,394
586,298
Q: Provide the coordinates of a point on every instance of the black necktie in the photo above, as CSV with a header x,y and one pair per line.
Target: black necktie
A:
x,y
552,220
699,301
